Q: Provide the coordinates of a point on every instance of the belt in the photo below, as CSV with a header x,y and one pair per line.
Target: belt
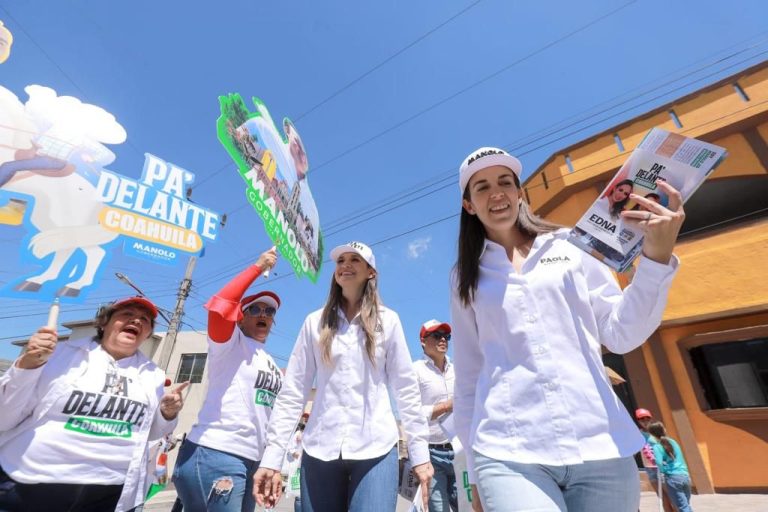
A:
x,y
443,446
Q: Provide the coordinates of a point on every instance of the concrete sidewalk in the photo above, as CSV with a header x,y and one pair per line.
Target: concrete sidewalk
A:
x,y
648,503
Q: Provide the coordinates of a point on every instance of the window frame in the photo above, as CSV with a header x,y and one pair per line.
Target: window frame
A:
x,y
196,357
736,335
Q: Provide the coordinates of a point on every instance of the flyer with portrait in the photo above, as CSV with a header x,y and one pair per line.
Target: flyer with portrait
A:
x,y
681,161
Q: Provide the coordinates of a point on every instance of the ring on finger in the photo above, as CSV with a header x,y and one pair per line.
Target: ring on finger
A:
x,y
647,216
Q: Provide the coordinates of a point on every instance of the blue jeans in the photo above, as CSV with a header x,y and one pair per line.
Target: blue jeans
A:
x,y
594,485
212,480
442,488
679,490
368,485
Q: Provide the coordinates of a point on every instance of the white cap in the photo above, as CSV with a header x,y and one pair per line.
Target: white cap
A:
x,y
481,158
266,297
360,248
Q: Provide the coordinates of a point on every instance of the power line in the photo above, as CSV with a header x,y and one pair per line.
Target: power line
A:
x,y
59,68
385,61
360,77
520,142
228,272
443,219
351,220
461,91
471,86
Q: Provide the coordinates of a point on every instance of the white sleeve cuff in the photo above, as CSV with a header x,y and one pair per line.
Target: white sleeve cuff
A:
x,y
272,458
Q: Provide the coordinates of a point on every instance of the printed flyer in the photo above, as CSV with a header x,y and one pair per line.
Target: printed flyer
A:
x,y
681,161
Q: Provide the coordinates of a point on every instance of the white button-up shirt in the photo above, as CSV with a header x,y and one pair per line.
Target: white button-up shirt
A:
x,y
435,386
530,383
351,414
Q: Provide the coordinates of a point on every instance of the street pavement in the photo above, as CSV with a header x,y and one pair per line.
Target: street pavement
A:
x,y
163,501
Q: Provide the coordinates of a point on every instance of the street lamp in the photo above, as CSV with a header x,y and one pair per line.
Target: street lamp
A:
x,y
123,278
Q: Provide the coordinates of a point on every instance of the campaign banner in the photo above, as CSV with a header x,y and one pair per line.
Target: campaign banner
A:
x,y
55,186
273,163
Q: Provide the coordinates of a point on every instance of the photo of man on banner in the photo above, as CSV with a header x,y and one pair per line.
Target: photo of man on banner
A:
x,y
275,166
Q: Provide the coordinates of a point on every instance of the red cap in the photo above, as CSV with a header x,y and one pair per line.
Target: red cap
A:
x,y
266,297
140,301
432,326
642,413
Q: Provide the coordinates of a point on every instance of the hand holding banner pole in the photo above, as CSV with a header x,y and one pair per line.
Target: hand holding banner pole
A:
x,y
53,315
266,270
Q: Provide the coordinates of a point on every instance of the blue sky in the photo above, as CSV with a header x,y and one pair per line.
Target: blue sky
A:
x,y
388,97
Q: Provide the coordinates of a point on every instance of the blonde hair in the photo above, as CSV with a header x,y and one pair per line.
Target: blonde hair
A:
x,y
369,317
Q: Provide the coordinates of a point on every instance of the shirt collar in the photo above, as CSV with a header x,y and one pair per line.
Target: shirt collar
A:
x,y
541,239
431,363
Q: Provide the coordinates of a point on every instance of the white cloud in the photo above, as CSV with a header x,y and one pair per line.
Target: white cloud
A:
x,y
418,247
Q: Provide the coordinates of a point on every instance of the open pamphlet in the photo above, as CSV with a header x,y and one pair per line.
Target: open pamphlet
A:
x,y
681,161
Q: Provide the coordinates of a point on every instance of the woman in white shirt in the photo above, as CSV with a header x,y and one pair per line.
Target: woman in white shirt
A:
x,y
532,404
77,416
216,463
352,349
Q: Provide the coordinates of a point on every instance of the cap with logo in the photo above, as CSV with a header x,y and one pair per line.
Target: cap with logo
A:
x,y
139,301
359,248
642,413
432,326
267,297
481,158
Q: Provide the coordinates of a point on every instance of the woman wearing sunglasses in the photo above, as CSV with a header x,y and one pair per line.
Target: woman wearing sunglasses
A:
x,y
217,461
354,350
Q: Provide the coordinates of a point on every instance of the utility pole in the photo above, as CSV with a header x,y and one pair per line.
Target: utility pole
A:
x,y
178,312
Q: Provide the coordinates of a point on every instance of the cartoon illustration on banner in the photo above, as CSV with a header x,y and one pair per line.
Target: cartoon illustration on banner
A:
x,y
274,165
55,186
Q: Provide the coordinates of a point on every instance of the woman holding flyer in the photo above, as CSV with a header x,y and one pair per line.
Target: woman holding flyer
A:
x,y
353,349
532,403
217,461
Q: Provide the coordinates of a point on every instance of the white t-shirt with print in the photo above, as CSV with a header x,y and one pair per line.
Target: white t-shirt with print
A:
x,y
243,384
88,434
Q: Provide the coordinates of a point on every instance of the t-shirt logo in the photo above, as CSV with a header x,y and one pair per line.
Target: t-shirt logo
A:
x,y
554,260
268,384
115,384
103,415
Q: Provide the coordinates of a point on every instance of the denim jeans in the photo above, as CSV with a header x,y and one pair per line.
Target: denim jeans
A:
x,y
368,485
679,490
442,488
594,485
212,480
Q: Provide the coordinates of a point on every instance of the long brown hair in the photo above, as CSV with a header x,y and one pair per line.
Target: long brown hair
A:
x,y
369,317
472,236
657,430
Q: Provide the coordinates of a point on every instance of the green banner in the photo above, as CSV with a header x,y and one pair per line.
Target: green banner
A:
x,y
274,166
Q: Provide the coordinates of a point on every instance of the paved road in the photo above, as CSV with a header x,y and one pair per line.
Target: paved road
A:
x,y
649,503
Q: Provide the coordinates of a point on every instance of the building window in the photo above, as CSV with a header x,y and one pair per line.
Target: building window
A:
x,y
191,368
740,91
675,119
733,374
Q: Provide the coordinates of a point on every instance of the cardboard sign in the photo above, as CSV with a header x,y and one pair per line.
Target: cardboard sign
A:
x,y
274,165
54,185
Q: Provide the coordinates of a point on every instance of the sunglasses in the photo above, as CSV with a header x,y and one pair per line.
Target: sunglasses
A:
x,y
440,335
256,310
